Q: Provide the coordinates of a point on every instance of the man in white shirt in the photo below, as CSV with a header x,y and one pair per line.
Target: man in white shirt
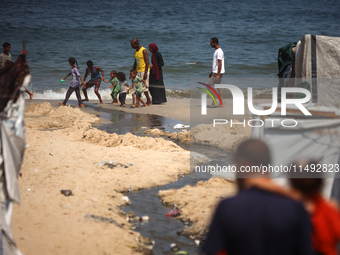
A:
x,y
217,66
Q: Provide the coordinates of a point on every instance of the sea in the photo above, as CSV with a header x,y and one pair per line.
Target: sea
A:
x,y
249,32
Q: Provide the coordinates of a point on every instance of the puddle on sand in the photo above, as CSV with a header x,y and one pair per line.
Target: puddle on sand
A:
x,y
161,229
124,122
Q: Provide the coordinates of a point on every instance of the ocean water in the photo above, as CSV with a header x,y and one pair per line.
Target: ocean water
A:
x,y
250,34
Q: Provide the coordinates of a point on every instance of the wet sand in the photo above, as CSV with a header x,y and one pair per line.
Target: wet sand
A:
x,y
64,153
178,109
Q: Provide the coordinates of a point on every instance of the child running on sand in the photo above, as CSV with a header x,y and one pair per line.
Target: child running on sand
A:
x,y
114,85
75,83
124,88
138,83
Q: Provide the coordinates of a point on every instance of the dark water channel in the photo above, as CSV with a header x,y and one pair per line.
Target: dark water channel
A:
x,y
136,123
161,229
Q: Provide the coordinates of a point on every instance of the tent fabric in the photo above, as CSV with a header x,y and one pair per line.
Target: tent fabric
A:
x,y
317,60
310,141
13,82
12,146
317,63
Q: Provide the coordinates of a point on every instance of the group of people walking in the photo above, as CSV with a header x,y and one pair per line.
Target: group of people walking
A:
x,y
151,76
145,78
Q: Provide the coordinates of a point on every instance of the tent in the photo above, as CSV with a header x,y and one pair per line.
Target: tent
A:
x,y
317,63
13,81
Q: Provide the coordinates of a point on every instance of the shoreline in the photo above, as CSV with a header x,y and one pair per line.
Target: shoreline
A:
x,y
178,109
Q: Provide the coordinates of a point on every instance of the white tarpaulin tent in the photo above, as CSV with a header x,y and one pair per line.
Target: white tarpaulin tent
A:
x,y
317,63
317,139
317,59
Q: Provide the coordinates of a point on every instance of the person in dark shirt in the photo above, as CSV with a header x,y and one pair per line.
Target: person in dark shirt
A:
x,y
257,221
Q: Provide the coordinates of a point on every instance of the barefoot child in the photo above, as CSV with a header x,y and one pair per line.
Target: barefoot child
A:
x,y
138,83
75,83
124,88
114,85
95,80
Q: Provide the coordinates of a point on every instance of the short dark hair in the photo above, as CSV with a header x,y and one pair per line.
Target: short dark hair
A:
x,y
133,71
6,44
214,40
253,151
121,76
307,186
89,63
114,72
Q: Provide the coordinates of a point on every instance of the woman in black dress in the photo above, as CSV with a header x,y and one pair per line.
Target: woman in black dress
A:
x,y
156,86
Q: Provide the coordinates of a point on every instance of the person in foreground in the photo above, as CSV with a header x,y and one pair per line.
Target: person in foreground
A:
x,y
257,221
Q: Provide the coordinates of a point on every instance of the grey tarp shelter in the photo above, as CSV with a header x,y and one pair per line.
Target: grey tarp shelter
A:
x,y
317,63
12,145
12,149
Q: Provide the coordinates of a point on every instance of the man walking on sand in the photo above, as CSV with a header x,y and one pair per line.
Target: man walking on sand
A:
x,y
217,66
141,64
95,80
258,220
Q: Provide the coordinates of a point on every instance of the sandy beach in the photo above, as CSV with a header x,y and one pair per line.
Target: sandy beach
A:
x,y
84,169
64,152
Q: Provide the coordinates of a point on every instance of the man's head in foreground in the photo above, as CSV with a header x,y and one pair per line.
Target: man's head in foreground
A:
x,y
251,153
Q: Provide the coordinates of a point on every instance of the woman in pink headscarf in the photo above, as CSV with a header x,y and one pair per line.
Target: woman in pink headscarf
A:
x,y
156,86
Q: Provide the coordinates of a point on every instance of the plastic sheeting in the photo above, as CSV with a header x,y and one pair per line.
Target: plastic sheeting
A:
x,y
317,59
317,139
12,151
12,146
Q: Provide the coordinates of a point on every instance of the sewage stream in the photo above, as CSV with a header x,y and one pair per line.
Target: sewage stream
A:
x,y
136,123
161,229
